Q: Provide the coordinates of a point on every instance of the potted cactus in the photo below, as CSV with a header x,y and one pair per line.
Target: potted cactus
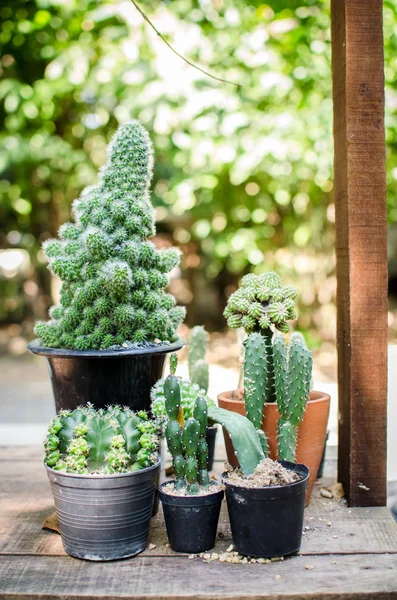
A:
x,y
102,466
276,395
196,385
107,338
191,503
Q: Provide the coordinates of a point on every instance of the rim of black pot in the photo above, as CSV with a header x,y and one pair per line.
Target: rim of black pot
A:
x,y
285,463
161,348
101,476
193,498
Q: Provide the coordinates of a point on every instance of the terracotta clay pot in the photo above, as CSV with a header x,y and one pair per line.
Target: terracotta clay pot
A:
x,y
311,432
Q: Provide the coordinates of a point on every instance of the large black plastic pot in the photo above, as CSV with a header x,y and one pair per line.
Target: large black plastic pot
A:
x,y
268,521
191,521
104,517
104,377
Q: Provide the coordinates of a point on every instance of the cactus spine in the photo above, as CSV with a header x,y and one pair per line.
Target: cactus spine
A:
x,y
293,370
198,368
186,439
111,440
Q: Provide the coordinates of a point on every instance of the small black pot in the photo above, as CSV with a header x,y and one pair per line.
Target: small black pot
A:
x,y
191,521
104,517
211,440
268,521
104,377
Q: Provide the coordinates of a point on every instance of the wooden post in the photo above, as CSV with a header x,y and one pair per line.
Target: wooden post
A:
x,y
360,205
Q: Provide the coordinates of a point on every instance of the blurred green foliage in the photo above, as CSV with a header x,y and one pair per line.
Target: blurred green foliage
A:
x,y
239,172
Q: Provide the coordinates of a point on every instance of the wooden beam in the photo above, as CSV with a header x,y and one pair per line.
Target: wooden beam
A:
x,y
360,205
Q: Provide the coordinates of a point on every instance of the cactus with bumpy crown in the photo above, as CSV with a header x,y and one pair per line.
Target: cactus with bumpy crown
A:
x,y
113,278
186,439
111,440
198,367
261,305
293,370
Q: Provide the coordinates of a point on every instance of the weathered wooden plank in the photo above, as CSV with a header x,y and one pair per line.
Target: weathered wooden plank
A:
x,y
25,501
330,578
360,203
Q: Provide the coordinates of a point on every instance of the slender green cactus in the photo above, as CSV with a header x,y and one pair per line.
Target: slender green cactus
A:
x,y
113,278
111,440
198,367
186,439
293,370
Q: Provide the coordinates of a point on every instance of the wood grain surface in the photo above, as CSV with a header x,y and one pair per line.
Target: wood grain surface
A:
x,y
345,553
361,247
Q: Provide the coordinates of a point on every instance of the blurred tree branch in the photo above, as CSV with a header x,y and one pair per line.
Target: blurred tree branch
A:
x,y
144,15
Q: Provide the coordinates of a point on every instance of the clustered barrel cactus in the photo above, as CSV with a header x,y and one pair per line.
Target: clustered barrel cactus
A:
x,y
273,371
111,440
186,439
113,278
198,367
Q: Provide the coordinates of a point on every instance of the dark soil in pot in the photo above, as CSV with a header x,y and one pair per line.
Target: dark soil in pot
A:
x,y
191,521
268,521
104,517
104,377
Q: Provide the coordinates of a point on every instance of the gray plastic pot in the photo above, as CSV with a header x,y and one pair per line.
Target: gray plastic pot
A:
x,y
104,517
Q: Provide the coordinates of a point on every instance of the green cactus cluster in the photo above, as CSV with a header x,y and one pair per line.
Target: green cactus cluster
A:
x,y
261,303
186,439
198,367
189,392
246,440
273,371
113,278
293,370
112,440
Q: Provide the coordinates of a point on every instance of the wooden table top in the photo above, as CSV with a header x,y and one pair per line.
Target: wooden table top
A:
x,y
345,553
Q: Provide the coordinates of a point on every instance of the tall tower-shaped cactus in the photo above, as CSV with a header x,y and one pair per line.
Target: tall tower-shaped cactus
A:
x,y
186,439
113,278
198,367
293,372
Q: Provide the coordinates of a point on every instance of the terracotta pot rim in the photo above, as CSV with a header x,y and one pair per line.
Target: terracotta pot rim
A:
x,y
320,397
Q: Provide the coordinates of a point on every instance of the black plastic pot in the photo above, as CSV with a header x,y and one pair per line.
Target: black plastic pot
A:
x,y
104,517
105,377
211,440
268,521
191,521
